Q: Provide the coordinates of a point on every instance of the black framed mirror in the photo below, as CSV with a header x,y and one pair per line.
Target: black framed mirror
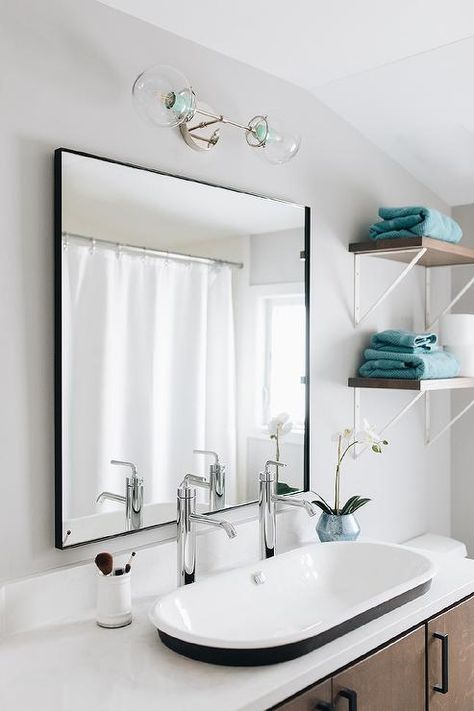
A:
x,y
181,345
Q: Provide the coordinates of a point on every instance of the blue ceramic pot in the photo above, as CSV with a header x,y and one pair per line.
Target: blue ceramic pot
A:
x,y
337,528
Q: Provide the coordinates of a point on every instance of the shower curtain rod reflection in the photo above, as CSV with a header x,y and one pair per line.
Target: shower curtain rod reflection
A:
x,y
146,251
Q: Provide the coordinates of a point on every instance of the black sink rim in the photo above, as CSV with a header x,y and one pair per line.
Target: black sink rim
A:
x,y
261,656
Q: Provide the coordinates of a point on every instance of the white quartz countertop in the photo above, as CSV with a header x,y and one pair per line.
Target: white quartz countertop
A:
x,y
81,667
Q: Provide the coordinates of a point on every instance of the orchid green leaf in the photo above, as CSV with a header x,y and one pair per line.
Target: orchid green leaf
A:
x,y
349,503
358,504
324,507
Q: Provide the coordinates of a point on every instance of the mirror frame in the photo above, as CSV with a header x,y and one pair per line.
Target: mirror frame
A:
x,y
58,408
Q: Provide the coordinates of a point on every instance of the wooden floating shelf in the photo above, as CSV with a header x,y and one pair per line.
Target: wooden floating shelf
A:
x,y
438,253
418,385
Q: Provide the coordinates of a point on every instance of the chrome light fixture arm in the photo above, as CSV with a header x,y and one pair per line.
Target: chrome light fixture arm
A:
x,y
256,131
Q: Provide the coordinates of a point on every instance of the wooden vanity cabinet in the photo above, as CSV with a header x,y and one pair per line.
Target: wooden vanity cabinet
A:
x,y
450,645
428,669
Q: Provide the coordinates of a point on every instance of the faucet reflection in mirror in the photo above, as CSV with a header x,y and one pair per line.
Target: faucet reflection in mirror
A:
x,y
216,481
133,499
164,97
182,328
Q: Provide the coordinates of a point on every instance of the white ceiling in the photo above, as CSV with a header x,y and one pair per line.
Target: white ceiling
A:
x,y
421,112
400,72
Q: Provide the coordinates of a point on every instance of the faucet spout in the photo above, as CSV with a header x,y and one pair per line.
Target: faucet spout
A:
x,y
227,526
109,496
310,508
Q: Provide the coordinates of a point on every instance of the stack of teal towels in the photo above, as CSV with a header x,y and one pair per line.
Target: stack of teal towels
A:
x,y
407,355
415,221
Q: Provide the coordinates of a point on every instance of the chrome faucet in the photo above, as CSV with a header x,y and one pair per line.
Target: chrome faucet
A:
x,y
133,498
267,508
186,519
215,483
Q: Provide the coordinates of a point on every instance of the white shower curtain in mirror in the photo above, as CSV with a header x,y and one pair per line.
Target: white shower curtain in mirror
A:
x,y
148,368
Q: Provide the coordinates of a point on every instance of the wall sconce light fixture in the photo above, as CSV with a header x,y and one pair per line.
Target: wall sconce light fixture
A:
x,y
164,97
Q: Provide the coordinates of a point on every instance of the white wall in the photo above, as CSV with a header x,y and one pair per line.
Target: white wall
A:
x,y
275,257
67,69
462,459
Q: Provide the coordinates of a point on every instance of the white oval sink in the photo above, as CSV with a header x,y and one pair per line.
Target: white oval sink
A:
x,y
281,608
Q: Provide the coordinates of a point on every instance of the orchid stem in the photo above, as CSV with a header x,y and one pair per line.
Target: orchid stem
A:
x,y
340,457
347,449
338,476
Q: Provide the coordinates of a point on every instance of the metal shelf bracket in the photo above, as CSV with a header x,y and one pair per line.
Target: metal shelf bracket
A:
x,y
429,439
356,451
429,323
418,254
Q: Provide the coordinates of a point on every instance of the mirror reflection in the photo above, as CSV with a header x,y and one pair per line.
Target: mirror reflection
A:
x,y
183,345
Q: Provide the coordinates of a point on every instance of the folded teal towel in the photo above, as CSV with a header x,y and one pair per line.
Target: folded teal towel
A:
x,y
404,341
408,366
415,222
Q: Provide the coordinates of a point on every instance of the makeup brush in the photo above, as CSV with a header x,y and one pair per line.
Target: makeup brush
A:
x,y
129,564
105,563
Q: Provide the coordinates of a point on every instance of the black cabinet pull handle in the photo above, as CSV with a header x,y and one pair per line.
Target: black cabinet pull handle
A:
x,y
444,688
351,696
324,706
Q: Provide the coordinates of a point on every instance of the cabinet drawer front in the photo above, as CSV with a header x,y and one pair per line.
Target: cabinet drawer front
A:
x,y
317,696
450,639
391,679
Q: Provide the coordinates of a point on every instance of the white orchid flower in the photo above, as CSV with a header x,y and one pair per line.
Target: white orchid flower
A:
x,y
345,441
345,435
370,436
280,425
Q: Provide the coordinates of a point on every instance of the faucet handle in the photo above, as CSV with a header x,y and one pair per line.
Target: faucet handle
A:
x,y
132,466
185,490
195,479
267,475
272,463
122,463
208,451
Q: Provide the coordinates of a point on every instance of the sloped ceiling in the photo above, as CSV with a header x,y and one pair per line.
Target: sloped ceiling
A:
x,y
400,72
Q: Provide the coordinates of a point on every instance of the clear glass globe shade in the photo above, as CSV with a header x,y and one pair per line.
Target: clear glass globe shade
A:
x,y
163,96
280,146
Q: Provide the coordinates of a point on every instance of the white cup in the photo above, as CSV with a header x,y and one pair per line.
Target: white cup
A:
x,y
114,600
456,330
